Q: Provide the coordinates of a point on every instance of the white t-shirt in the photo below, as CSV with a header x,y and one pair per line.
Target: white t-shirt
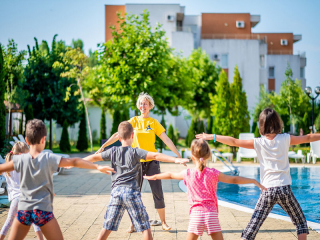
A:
x,y
13,184
274,161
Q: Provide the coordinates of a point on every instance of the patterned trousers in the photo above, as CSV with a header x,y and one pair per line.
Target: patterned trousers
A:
x,y
276,195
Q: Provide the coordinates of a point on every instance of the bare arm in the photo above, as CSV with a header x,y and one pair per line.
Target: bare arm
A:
x,y
165,158
239,180
80,163
294,140
6,167
234,142
163,136
112,139
94,157
168,175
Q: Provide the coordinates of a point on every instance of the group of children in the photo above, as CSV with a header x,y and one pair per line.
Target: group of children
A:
x,y
32,170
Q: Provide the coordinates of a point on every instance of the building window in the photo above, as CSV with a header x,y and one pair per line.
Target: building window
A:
x,y
262,61
271,72
224,60
302,72
271,84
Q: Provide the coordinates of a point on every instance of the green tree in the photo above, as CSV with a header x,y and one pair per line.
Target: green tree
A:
x,y
137,57
103,126
92,59
74,66
292,100
77,44
125,114
209,125
239,107
204,75
192,132
171,133
116,121
82,143
2,106
64,144
220,107
28,110
201,127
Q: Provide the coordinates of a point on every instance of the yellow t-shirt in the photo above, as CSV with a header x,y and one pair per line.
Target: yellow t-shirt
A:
x,y
145,131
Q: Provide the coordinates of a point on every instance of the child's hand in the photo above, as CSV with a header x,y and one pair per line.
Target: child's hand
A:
x,y
106,169
150,177
263,188
182,161
205,136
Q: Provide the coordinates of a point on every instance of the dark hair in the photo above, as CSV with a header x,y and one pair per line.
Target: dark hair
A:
x,y
269,122
35,131
200,149
125,130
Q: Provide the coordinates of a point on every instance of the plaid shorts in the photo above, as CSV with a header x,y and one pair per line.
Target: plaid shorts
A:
x,y
276,195
126,198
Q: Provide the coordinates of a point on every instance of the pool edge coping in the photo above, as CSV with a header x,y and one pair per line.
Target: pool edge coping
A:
x,y
314,226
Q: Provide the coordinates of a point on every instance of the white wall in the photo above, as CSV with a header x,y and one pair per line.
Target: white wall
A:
x,y
246,55
158,14
183,42
280,63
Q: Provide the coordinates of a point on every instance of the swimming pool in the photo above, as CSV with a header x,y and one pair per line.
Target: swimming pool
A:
x,y
305,186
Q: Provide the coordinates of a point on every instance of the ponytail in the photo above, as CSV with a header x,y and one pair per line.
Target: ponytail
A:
x,y
18,148
201,151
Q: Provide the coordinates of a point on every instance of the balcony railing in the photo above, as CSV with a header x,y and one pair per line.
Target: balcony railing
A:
x,y
182,29
280,52
234,36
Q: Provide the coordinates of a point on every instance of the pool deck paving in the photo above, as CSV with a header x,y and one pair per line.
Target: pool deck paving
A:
x,y
82,196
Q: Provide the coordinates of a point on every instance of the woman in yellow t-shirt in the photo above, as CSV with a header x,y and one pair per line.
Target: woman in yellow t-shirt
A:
x,y
145,130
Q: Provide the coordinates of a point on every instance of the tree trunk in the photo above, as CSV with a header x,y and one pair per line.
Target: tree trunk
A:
x,y
85,107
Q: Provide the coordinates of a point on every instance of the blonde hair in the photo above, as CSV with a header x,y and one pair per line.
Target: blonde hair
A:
x,y
19,147
200,150
145,96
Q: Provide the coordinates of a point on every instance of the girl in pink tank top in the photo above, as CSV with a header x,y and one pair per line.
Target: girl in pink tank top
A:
x,y
202,183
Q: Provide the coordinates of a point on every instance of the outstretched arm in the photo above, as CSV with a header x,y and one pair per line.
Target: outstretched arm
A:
x,y
167,175
165,158
164,137
94,157
6,167
294,140
80,163
239,180
234,142
112,139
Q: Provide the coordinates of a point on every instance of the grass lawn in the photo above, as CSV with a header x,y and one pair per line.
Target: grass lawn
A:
x,y
56,149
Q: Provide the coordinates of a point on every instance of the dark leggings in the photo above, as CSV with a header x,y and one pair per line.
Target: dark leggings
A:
x,y
149,169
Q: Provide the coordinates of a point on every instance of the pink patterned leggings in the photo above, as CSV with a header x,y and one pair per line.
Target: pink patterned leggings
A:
x,y
11,215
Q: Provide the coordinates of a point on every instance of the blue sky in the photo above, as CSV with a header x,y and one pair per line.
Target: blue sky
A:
x,y
23,20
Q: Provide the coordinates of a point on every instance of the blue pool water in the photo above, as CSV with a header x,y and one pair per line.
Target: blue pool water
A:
x,y
305,186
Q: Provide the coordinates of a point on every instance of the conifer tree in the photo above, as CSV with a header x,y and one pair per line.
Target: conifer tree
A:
x,y
125,114
82,143
220,106
171,133
64,141
201,127
103,126
239,107
116,121
209,125
191,132
2,106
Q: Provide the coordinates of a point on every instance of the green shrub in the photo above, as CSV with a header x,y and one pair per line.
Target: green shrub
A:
x,y
116,121
171,134
201,128
209,125
82,143
2,106
64,141
191,132
103,126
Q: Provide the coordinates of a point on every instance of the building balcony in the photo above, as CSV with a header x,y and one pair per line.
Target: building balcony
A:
x,y
234,36
280,52
182,29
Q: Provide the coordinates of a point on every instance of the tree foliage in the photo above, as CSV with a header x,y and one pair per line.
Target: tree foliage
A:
x,y
204,75
239,107
82,143
103,125
2,106
171,133
116,120
64,144
192,132
221,106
